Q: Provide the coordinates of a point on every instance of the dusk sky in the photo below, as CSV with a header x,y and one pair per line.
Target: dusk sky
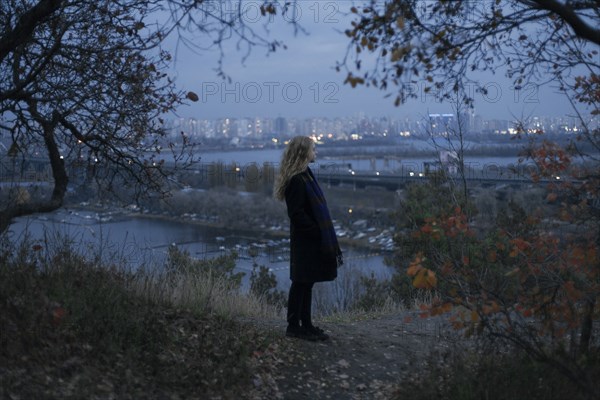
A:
x,y
302,82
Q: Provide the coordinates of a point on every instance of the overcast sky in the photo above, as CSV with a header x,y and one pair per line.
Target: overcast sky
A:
x,y
302,82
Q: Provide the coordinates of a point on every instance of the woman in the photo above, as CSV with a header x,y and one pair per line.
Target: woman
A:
x,y
314,250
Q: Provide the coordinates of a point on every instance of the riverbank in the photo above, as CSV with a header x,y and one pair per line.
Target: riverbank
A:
x,y
363,238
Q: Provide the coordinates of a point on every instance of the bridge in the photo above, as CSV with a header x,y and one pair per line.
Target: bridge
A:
x,y
360,179
332,176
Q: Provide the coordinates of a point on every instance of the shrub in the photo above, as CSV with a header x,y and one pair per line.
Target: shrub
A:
x,y
485,372
263,284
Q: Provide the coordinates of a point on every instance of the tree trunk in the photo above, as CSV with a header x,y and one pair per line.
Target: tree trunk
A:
x,y
59,173
587,326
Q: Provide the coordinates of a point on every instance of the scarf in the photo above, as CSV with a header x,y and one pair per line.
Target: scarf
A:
x,y
316,199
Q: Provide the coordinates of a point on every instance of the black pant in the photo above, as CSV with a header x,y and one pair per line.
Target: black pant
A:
x,y
299,304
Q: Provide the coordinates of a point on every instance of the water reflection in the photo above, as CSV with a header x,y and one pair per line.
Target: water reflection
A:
x,y
143,241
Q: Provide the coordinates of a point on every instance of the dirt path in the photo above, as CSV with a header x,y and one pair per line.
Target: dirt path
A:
x,y
363,360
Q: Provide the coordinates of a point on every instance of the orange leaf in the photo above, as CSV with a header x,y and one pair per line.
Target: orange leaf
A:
x,y
431,279
413,269
447,307
58,314
420,281
520,244
488,309
425,279
458,325
495,307
551,197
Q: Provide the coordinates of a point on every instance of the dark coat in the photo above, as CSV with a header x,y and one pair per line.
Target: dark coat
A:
x,y
307,262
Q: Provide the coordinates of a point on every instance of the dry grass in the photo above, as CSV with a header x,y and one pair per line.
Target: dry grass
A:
x,y
204,294
75,328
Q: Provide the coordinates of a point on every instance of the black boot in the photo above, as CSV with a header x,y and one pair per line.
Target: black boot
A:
x,y
317,332
300,332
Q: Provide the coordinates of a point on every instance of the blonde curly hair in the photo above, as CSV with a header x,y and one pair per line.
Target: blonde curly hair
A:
x,y
295,159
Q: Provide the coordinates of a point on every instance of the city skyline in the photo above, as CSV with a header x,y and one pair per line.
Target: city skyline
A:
x,y
363,125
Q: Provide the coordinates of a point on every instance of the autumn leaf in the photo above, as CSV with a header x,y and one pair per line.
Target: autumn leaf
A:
x,y
354,80
490,308
57,314
426,229
447,268
400,22
425,279
192,96
415,266
420,281
413,269
431,278
520,244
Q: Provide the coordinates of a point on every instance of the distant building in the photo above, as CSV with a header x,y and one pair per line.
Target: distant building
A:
x,y
442,124
281,126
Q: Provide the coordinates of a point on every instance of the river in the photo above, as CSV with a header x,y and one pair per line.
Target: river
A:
x,y
143,241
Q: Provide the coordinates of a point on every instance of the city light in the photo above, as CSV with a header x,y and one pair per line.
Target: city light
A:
x,y
358,128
